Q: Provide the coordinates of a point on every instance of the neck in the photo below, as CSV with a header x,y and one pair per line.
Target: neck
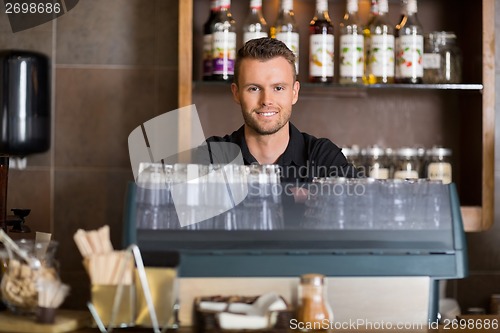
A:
x,y
267,148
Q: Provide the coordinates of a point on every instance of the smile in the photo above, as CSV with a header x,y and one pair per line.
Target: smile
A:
x,y
267,114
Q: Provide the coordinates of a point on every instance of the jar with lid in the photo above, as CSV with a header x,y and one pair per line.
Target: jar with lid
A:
x,y
314,312
442,58
24,273
377,163
408,165
390,155
439,164
422,156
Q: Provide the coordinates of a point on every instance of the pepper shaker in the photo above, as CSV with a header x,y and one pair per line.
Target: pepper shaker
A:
x,y
314,312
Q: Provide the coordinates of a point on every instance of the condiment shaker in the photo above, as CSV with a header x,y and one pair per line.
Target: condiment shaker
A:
x,y
314,313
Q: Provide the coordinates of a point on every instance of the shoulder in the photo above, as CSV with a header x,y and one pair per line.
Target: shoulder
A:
x,y
315,144
225,138
323,151
234,137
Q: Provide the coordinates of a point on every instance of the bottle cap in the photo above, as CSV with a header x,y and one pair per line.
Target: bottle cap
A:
x,y
407,152
225,3
321,5
256,4
441,37
375,151
440,151
312,279
352,6
287,5
383,6
411,6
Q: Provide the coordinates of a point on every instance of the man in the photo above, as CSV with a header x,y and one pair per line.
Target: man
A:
x,y
266,87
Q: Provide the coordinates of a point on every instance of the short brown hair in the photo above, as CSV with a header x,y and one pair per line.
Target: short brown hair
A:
x,y
263,49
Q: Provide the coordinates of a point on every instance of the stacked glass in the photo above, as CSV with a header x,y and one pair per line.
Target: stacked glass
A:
x,y
215,196
367,203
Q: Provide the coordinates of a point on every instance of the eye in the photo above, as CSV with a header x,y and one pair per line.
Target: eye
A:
x,y
279,88
253,88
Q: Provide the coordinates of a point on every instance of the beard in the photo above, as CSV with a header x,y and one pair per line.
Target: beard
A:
x,y
263,129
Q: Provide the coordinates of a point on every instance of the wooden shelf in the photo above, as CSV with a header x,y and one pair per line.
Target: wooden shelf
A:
x,y
474,102
343,90
337,86
472,218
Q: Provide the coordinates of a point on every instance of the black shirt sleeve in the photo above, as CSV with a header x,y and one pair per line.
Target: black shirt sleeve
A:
x,y
218,150
329,161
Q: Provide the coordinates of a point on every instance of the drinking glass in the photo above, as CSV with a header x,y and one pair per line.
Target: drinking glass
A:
x,y
152,197
364,192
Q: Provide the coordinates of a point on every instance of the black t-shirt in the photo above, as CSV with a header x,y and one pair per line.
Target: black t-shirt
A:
x,y
305,157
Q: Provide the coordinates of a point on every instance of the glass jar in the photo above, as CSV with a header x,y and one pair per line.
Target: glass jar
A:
x,y
390,155
422,156
439,164
314,312
377,163
21,277
408,165
442,58
351,154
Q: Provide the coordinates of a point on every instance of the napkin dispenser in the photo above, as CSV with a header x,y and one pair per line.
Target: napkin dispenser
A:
x,y
25,102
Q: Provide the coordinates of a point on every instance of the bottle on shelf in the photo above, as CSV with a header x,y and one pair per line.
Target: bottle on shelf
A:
x,y
208,29
321,45
285,29
379,46
255,25
409,45
351,63
224,44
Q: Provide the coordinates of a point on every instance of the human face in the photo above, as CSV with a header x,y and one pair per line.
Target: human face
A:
x,y
266,91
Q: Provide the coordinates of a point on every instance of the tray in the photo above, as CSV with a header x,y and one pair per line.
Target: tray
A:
x,y
205,321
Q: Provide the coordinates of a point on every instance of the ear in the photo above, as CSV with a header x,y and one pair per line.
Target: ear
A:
x,y
296,88
235,91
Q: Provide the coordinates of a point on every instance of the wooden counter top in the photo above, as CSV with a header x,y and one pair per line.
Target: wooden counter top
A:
x,y
475,324
470,324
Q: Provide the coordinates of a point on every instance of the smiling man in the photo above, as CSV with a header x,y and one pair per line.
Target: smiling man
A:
x,y
266,87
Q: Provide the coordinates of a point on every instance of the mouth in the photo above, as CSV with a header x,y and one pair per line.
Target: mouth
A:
x,y
266,114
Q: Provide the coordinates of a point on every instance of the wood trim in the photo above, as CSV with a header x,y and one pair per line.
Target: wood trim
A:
x,y
472,217
185,75
488,175
185,52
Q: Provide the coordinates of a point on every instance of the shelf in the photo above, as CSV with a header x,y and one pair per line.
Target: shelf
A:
x,y
447,107
472,217
361,90
344,90
462,86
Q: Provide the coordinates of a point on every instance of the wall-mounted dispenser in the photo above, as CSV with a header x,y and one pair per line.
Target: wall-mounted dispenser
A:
x,y
24,111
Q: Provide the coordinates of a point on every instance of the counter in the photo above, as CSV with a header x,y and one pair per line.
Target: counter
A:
x,y
472,320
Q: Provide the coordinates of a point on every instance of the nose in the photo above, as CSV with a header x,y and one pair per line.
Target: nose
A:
x,y
266,98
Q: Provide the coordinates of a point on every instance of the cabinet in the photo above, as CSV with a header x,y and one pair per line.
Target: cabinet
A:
x,y
456,116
